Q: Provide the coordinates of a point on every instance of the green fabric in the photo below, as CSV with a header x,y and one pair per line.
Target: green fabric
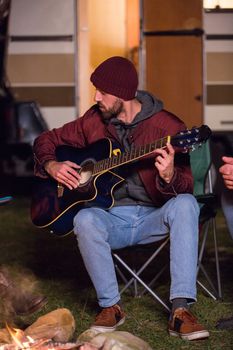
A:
x,y
200,160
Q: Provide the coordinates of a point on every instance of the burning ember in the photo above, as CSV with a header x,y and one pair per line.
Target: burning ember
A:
x,y
20,341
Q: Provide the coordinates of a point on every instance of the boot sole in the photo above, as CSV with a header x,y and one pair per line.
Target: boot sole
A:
x,y
190,336
103,329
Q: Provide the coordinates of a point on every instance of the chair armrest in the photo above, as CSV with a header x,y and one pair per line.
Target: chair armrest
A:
x,y
208,198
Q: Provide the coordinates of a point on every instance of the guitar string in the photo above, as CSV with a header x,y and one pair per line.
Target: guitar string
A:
x,y
126,157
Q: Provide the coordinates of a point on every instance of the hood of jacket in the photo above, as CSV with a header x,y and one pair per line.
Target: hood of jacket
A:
x,y
150,106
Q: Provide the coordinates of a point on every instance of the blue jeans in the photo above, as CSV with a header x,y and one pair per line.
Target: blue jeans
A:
x,y
99,231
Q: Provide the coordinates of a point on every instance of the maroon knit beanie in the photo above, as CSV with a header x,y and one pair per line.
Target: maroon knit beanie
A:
x,y
116,76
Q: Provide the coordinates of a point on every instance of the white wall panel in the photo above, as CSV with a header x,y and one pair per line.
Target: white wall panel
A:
x,y
44,47
42,17
216,23
219,46
57,116
219,117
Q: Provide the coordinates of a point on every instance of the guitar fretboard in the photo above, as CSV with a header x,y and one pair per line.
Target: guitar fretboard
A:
x,y
127,157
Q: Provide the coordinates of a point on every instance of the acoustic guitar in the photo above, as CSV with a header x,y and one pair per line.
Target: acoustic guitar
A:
x,y
54,206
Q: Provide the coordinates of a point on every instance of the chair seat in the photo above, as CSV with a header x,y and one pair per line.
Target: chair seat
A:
x,y
207,198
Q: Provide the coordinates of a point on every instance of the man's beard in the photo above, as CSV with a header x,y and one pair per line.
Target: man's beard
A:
x,y
113,111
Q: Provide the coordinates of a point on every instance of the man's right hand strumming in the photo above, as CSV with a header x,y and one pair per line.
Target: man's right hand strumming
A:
x,y
64,172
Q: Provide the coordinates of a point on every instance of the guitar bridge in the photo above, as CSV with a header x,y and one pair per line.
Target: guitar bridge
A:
x,y
60,190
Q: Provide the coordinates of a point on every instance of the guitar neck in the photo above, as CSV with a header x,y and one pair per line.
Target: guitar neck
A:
x,y
127,157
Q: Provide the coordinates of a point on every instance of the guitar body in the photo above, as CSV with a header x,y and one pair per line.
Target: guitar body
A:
x,y
55,211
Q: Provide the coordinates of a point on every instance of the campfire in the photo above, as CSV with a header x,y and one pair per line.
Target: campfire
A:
x,y
21,341
55,331
44,334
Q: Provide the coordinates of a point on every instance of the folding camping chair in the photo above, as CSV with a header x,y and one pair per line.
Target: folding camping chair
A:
x,y
201,168
201,164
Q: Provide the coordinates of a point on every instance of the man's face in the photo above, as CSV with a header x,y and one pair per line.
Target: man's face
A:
x,y
109,105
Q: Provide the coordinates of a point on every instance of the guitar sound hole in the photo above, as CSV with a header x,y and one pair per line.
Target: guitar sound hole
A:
x,y
86,172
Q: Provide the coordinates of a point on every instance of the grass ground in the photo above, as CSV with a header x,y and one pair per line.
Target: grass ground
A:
x,y
57,266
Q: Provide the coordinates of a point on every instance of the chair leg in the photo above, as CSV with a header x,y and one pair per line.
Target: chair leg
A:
x,y
203,244
217,259
125,280
152,282
218,291
141,282
136,279
153,256
206,290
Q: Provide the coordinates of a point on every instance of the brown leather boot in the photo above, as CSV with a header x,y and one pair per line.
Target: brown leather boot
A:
x,y
17,300
26,304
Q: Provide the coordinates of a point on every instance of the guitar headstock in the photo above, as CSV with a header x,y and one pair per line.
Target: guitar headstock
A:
x,y
192,138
